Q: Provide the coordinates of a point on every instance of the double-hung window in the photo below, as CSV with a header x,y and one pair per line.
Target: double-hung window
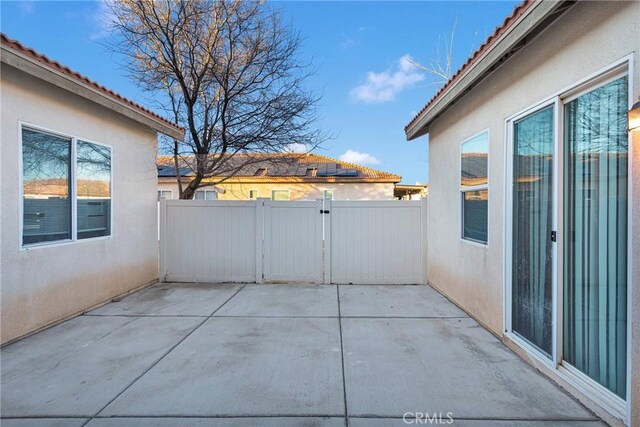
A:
x,y
474,188
253,194
205,195
66,188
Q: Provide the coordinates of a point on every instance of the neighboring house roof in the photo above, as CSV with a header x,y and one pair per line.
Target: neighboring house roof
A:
x,y
473,170
289,167
36,64
526,21
532,167
400,190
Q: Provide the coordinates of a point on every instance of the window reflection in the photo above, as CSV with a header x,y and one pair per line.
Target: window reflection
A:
x,y
474,161
532,267
93,173
596,221
475,207
46,163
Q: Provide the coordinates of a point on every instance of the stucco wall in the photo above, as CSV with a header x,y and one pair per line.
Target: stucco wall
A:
x,y
310,191
588,38
45,284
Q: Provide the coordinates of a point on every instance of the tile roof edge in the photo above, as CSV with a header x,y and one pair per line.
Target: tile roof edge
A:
x,y
517,12
56,66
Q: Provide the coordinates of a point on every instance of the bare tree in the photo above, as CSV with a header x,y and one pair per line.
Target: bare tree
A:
x,y
226,70
441,65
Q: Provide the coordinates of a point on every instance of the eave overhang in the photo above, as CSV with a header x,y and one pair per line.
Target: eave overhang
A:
x,y
529,21
35,68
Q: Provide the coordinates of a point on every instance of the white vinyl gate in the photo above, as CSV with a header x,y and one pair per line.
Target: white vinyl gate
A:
x,y
293,242
265,241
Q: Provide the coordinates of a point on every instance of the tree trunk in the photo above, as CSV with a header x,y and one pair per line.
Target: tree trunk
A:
x,y
176,165
190,190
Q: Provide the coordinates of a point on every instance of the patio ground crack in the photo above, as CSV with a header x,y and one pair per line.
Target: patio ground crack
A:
x,y
344,381
163,355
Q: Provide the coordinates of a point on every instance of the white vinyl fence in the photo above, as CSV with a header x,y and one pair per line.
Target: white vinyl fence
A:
x,y
265,241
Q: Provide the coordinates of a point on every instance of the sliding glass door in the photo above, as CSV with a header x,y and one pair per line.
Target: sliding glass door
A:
x,y
532,260
595,245
591,204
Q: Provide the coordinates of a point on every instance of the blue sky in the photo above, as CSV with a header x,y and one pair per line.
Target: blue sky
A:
x,y
360,50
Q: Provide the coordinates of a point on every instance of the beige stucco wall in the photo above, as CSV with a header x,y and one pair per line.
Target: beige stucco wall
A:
x,y
307,191
588,38
45,284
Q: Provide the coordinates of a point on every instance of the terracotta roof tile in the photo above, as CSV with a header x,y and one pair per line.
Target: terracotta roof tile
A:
x,y
499,31
56,66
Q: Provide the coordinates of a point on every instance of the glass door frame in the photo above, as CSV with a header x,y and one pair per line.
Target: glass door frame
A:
x,y
554,103
582,382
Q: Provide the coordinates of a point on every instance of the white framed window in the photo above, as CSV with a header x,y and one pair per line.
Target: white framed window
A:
x,y
165,194
327,194
253,194
205,195
66,188
280,195
474,188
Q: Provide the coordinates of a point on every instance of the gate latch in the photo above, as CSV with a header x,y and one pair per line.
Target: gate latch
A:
x,y
322,211
553,236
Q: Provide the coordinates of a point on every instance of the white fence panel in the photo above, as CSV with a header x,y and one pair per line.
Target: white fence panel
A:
x,y
293,241
209,241
360,242
377,242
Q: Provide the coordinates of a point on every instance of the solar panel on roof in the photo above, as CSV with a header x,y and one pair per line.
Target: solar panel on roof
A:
x,y
277,172
170,171
325,169
347,172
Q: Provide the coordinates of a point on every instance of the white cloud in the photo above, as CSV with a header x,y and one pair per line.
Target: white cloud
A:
x,y
296,147
384,86
102,20
353,156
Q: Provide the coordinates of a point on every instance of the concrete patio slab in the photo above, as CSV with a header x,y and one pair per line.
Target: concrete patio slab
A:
x,y
77,367
394,366
395,301
284,300
275,360
218,422
244,367
172,299
398,422
44,422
